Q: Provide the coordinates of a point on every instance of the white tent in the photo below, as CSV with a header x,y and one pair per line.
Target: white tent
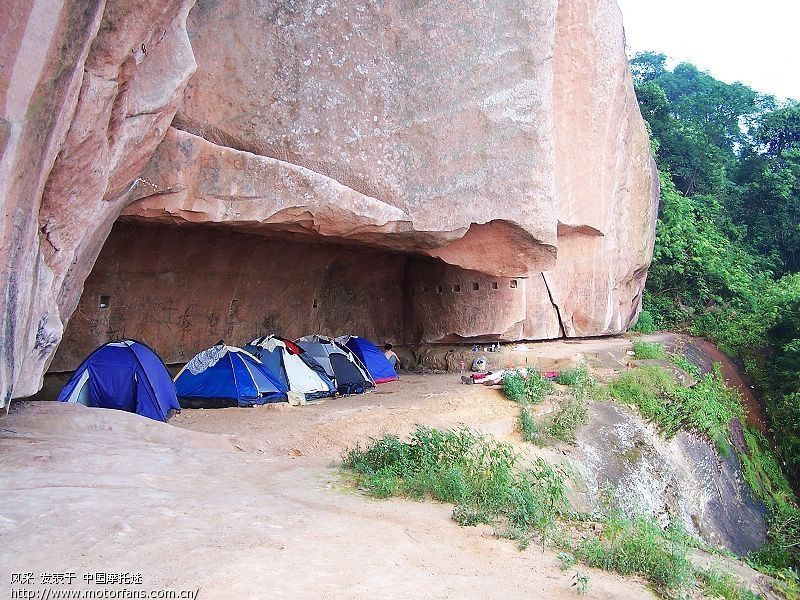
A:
x,y
301,376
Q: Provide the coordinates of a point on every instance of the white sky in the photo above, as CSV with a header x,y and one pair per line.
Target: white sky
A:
x,y
752,41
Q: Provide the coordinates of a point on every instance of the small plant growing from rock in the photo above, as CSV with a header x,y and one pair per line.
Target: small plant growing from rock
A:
x,y
645,351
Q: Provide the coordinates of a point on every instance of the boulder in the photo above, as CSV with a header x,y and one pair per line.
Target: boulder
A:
x,y
506,142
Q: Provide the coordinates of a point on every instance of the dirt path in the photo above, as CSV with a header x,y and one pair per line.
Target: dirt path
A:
x,y
255,509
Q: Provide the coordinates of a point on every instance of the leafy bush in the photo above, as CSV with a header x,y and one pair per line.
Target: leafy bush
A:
x,y
529,388
567,559
645,324
645,350
574,377
641,547
527,424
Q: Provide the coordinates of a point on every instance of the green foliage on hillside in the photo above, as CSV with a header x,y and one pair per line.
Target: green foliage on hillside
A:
x,y
727,251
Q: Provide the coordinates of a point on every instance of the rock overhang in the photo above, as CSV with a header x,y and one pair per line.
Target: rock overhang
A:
x,y
505,143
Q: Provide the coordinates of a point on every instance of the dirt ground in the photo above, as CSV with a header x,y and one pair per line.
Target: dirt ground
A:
x,y
248,503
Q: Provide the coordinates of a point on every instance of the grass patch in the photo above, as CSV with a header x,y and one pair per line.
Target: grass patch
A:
x,y
718,584
558,427
527,388
641,547
488,482
707,407
481,476
645,351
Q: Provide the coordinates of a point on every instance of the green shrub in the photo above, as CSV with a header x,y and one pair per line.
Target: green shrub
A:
x,y
645,323
718,584
577,376
645,350
567,559
514,387
641,547
480,475
679,360
707,408
560,426
530,388
526,424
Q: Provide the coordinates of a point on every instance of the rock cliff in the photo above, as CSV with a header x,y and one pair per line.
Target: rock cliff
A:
x,y
87,91
491,158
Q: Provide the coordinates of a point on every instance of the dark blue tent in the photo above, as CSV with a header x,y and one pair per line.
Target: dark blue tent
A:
x,y
372,358
126,375
224,376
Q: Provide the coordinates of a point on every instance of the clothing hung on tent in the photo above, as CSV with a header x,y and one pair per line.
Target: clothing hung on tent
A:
x,y
224,376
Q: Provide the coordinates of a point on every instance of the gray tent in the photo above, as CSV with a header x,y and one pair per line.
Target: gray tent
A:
x,y
341,365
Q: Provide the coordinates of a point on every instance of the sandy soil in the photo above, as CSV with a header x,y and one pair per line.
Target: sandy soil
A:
x,y
247,503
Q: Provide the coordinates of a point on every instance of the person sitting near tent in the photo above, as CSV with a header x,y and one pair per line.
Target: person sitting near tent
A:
x,y
390,355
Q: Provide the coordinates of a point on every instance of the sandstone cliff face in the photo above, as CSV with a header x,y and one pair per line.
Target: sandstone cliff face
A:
x,y
506,141
87,91
497,146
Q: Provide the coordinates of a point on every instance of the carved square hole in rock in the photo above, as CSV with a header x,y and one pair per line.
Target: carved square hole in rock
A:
x,y
456,288
494,285
439,289
513,283
476,286
104,301
424,288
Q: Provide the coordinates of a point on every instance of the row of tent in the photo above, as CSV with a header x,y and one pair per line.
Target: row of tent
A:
x,y
130,376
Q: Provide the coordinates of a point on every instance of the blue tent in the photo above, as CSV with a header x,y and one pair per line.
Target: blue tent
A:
x,y
372,358
126,375
224,376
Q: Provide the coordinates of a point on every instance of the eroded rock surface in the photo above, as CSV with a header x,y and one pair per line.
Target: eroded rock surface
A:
x,y
87,91
505,141
684,479
491,145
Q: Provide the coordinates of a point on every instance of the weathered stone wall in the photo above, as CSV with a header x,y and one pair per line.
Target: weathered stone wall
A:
x,y
504,141
181,290
501,138
87,91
